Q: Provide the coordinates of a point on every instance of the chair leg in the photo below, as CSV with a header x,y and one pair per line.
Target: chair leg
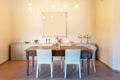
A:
x,y
51,70
39,68
37,71
82,63
76,67
65,72
61,63
73,66
93,61
80,70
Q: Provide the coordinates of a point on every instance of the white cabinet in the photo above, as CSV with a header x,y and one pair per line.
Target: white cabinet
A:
x,y
18,51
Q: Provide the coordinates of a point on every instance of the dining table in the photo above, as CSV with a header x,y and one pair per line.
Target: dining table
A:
x,y
57,51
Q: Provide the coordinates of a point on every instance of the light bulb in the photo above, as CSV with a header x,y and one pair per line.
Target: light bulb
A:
x,y
65,5
53,6
38,12
51,16
44,17
29,4
77,6
30,8
61,10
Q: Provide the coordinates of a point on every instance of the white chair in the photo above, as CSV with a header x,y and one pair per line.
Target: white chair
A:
x,y
92,59
93,49
72,56
85,45
44,56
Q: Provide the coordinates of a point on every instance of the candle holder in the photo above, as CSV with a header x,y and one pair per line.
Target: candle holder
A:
x,y
87,37
48,40
80,37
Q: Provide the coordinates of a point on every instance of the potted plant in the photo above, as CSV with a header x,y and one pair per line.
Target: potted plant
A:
x,y
36,41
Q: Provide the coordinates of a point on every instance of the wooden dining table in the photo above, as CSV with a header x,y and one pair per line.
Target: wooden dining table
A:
x,y
57,51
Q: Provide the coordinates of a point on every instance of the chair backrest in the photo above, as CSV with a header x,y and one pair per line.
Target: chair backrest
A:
x,y
85,45
44,56
93,51
72,56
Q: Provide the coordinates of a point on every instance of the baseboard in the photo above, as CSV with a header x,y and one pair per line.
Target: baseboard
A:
x,y
116,70
105,64
4,62
108,66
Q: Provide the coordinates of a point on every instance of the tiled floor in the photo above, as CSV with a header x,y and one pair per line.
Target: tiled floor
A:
x,y
16,70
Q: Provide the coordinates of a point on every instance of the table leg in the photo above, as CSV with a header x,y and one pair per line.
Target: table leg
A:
x,y
88,66
27,57
33,61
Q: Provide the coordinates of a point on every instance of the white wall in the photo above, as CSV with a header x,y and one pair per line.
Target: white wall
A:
x,y
116,38
104,34
28,25
5,29
107,32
